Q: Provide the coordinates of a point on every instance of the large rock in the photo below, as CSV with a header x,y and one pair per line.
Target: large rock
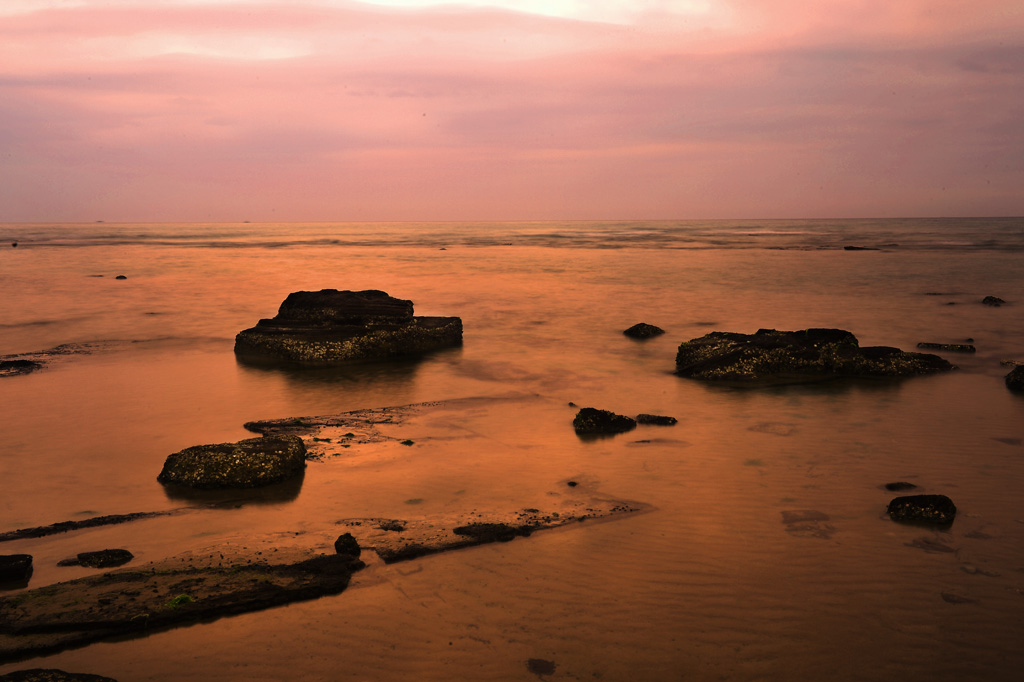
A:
x,y
1015,379
249,463
779,356
331,327
933,509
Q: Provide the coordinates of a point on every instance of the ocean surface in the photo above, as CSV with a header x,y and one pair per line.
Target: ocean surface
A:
x,y
711,584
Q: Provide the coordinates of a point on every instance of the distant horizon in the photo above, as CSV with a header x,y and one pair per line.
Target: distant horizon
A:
x,y
191,111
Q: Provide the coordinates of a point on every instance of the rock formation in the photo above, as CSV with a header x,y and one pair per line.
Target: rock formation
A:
x,y
331,327
249,463
771,356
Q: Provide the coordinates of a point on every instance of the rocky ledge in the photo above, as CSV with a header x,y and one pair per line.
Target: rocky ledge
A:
x,y
771,356
249,463
330,327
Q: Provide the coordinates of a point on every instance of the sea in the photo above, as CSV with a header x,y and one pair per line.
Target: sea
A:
x,y
764,552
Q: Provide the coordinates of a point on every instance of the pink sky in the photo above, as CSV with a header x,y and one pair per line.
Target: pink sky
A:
x,y
330,110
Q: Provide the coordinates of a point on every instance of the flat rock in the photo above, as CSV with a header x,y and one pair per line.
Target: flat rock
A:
x,y
104,558
771,356
656,420
643,330
930,509
15,567
249,463
590,420
330,327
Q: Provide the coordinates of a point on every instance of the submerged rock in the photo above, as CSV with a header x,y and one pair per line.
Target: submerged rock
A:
x,y
643,330
933,509
656,419
331,327
897,486
15,367
249,463
772,356
993,301
15,567
1015,379
590,420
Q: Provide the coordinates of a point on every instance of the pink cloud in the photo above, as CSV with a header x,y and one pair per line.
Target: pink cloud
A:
x,y
358,113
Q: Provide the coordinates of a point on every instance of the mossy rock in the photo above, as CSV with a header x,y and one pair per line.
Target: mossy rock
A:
x,y
249,463
772,356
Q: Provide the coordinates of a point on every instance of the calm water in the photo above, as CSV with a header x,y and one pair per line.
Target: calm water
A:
x,y
711,585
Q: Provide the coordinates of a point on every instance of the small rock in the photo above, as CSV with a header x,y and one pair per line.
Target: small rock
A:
x,y
121,277
14,244
590,420
346,544
15,567
539,666
1015,379
15,367
105,558
899,485
993,301
932,509
572,484
860,248
491,532
643,330
656,419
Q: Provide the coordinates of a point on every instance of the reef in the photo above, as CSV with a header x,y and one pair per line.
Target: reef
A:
x,y
330,327
771,356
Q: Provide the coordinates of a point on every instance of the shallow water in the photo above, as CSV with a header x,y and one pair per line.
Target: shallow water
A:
x,y
710,585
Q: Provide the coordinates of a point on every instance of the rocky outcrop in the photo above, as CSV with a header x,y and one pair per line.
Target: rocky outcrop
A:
x,y
590,420
15,567
1015,379
643,330
771,356
932,509
331,327
249,463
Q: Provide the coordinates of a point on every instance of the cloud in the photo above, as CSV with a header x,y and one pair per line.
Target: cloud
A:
x,y
335,111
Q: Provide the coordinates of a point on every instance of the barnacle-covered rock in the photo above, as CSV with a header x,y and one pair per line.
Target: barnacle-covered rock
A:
x,y
331,327
249,463
779,356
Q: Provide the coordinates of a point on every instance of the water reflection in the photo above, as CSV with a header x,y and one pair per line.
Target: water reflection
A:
x,y
286,491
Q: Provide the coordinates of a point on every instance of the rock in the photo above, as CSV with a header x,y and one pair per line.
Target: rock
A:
x,y
899,485
15,567
104,558
121,277
655,419
590,420
643,331
52,675
347,545
933,509
993,301
771,356
14,244
331,327
249,463
1015,379
860,248
15,367
952,347
492,532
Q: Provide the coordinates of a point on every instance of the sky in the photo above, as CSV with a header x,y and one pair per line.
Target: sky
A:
x,y
411,110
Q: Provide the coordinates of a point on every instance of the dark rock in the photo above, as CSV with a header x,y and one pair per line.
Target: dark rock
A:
x,y
952,347
932,509
121,277
771,356
492,532
643,331
15,567
572,484
993,301
899,485
249,463
104,558
347,545
391,525
52,675
590,420
1015,379
15,367
540,666
655,419
860,248
14,244
331,327
66,526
